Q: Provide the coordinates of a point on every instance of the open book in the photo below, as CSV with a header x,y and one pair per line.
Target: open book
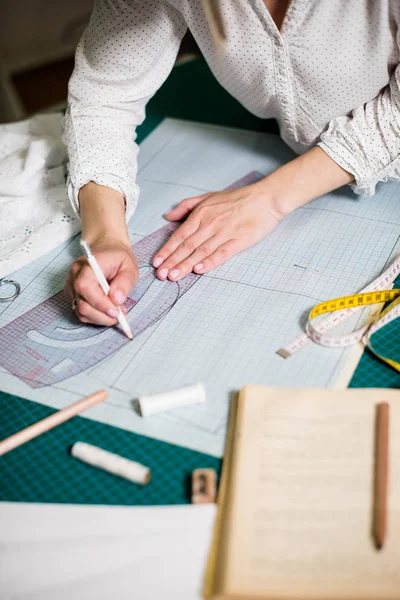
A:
x,y
295,506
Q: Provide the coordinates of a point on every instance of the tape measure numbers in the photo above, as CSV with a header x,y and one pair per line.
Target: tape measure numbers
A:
x,y
353,301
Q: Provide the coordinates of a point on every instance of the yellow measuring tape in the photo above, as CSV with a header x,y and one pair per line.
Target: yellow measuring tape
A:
x,y
391,312
342,308
353,301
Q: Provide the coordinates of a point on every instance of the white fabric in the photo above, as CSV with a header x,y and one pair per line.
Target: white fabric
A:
x,y
332,71
35,212
76,552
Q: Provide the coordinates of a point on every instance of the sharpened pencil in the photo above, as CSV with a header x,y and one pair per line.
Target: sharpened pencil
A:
x,y
381,474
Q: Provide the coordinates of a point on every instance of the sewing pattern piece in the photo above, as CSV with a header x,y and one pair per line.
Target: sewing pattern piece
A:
x,y
49,344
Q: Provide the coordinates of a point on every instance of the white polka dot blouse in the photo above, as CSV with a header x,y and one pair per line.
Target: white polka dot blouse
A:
x,y
330,77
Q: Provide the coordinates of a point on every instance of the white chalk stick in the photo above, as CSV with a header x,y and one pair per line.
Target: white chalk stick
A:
x,y
192,394
113,463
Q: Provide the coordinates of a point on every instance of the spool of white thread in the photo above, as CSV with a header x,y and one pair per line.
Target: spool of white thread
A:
x,y
113,463
192,394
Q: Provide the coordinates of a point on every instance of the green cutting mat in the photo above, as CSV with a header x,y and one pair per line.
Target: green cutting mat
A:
x,y
42,470
371,371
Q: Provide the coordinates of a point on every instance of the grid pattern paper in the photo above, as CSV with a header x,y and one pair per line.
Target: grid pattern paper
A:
x,y
226,328
48,344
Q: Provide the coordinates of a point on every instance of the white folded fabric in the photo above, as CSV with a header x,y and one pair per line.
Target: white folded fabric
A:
x,y
35,214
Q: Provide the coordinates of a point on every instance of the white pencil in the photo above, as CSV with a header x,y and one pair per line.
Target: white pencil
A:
x,y
104,286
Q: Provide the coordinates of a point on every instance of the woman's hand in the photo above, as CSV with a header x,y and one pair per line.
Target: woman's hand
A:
x,y
103,227
119,266
219,225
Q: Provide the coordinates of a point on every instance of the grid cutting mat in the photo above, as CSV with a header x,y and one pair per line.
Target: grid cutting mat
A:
x,y
42,470
372,372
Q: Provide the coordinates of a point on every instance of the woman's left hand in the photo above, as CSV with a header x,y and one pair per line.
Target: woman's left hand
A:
x,y
222,224
219,225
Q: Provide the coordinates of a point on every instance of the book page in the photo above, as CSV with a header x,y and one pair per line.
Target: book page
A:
x,y
302,496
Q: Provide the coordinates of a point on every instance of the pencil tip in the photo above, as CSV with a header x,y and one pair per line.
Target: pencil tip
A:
x,y
86,248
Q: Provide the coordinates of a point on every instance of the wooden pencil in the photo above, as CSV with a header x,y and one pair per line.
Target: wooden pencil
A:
x,y
381,474
23,436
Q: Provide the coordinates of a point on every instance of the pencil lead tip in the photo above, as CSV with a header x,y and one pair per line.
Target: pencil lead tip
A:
x,y
86,248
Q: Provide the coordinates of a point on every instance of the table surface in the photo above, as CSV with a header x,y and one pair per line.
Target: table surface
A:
x,y
42,470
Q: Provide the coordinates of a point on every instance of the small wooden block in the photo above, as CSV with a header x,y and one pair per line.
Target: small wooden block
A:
x,y
204,486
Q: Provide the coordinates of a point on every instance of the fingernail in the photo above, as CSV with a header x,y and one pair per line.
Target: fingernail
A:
x,y
158,261
163,272
174,273
113,313
119,296
198,267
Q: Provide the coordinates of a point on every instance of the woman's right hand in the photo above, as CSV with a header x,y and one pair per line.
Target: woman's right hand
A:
x,y
119,266
102,211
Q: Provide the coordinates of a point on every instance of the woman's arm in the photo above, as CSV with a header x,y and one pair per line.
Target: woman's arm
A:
x,y
125,54
367,142
221,224
363,147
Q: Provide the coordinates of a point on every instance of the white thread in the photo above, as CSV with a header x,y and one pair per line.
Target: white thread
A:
x,y
192,394
113,463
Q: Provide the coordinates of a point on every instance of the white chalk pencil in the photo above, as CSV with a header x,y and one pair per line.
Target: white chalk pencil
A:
x,y
113,463
104,286
192,394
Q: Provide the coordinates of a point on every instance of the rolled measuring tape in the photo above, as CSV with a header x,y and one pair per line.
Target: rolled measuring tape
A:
x,y
341,309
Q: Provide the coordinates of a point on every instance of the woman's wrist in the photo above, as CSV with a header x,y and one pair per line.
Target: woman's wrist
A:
x,y
303,179
102,211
